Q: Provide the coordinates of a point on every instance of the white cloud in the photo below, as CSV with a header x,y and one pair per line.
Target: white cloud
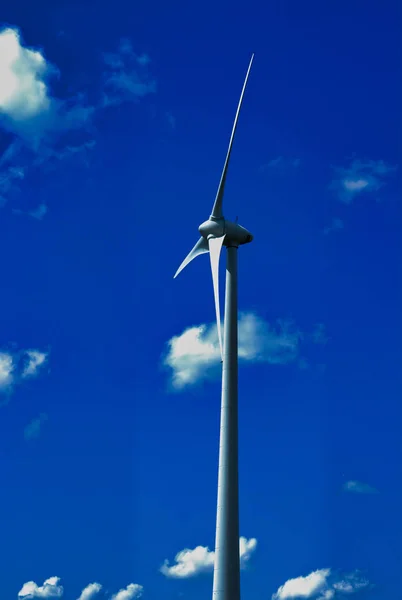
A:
x,y
194,354
133,590
50,589
201,560
360,176
358,487
48,129
23,91
36,359
17,366
90,591
247,547
6,370
303,587
322,584
29,111
27,106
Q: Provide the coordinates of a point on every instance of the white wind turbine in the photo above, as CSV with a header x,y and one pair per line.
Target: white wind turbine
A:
x,y
215,233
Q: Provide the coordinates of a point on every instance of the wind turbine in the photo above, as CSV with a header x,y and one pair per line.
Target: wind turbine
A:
x,y
216,232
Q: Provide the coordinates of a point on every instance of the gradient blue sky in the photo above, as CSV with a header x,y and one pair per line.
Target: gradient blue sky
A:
x,y
108,465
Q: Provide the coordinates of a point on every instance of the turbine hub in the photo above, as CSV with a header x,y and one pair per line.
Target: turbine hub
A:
x,y
236,235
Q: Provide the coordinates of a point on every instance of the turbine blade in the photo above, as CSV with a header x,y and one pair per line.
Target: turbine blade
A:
x,y
217,208
215,247
200,248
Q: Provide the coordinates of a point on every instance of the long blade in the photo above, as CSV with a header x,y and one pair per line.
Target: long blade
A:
x,y
200,248
215,247
217,208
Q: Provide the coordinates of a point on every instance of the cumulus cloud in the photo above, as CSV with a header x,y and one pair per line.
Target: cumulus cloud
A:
x,y
90,591
322,584
361,176
358,487
37,120
195,354
33,429
303,587
133,590
17,366
189,563
23,91
27,106
6,370
51,588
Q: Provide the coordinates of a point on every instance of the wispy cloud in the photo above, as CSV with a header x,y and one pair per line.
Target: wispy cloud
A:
x,y
194,354
189,563
35,360
358,487
171,119
127,76
45,129
50,589
17,366
361,176
336,225
281,164
33,429
322,584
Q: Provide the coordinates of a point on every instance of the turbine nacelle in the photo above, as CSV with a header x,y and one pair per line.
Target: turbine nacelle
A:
x,y
216,231
235,234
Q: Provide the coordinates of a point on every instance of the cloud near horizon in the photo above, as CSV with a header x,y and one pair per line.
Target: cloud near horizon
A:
x,y
132,591
194,354
90,591
322,584
51,588
189,563
361,176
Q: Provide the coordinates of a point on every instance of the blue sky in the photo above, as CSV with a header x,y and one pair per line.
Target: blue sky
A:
x,y
114,123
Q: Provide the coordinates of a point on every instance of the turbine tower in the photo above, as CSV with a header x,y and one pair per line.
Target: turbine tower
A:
x,y
215,233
